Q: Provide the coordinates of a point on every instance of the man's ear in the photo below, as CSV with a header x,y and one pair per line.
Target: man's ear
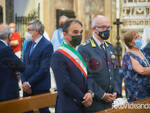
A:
x,y
64,33
94,29
65,36
36,31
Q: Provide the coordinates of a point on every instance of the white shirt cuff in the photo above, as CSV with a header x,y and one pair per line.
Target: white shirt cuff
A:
x,y
28,84
103,95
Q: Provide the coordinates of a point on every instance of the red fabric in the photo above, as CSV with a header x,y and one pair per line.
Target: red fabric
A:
x,y
16,36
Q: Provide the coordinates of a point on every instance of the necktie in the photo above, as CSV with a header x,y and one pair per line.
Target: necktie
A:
x,y
103,47
32,47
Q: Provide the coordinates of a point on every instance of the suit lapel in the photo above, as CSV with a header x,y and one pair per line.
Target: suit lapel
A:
x,y
37,48
1,43
27,51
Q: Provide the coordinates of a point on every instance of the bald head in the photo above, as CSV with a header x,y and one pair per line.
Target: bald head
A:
x,y
62,20
99,20
13,27
4,31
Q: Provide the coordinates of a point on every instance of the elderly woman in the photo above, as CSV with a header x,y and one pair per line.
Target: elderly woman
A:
x,y
135,68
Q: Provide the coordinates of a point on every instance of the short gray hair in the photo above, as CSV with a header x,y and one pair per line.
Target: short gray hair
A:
x,y
63,16
37,25
95,20
4,31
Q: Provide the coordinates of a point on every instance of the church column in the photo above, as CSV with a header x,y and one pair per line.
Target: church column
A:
x,y
79,12
2,3
108,13
48,16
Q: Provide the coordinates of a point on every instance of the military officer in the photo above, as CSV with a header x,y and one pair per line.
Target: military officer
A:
x,y
103,70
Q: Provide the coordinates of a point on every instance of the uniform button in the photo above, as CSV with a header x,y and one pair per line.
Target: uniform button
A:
x,y
74,100
110,78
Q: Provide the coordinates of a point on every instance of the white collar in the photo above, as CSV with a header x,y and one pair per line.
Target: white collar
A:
x,y
38,40
4,42
97,41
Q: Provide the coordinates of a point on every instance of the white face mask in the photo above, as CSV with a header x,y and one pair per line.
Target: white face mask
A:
x,y
28,36
12,30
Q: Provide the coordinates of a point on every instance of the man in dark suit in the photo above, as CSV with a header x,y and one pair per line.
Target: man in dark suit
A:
x,y
9,65
103,70
37,58
70,72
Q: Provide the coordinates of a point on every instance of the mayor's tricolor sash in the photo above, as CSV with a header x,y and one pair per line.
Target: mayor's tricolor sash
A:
x,y
74,56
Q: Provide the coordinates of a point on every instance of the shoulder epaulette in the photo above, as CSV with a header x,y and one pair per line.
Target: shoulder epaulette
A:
x,y
107,43
85,43
92,43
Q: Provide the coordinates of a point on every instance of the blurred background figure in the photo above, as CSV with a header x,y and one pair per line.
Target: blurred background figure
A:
x,y
135,68
58,37
15,42
146,41
10,64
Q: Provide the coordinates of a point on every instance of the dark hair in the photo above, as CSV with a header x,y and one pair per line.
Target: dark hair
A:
x,y
128,37
68,23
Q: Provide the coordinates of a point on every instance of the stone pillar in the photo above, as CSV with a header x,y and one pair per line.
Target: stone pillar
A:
x,y
2,4
79,11
9,4
48,18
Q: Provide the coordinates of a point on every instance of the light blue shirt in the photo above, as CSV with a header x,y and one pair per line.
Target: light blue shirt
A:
x,y
57,38
24,47
37,41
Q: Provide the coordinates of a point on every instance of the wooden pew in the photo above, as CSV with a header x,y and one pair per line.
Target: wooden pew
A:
x,y
143,101
46,100
28,103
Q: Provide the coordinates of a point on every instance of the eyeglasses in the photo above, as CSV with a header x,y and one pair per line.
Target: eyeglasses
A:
x,y
30,30
104,27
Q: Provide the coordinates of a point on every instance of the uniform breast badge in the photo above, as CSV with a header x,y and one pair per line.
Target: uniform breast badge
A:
x,y
94,64
113,58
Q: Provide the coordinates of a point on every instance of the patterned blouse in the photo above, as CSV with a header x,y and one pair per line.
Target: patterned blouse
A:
x,y
136,86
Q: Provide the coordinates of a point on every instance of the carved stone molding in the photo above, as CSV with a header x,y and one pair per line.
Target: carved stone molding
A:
x,y
135,14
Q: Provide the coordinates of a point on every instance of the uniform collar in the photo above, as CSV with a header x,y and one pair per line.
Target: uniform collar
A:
x,y
97,41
